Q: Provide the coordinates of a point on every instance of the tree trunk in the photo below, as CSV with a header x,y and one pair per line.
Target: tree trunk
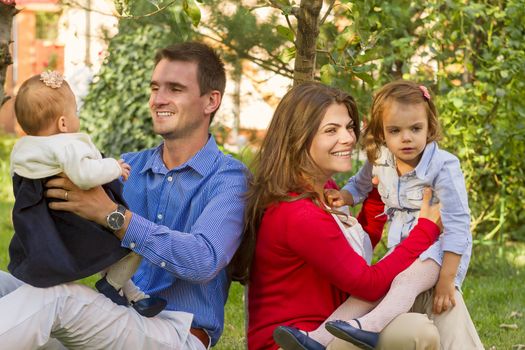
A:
x,y
7,13
307,33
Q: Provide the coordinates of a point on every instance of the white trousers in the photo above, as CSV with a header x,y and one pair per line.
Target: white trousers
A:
x,y
81,318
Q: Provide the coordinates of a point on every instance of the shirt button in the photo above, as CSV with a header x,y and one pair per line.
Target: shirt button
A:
x,y
163,264
159,216
170,178
132,245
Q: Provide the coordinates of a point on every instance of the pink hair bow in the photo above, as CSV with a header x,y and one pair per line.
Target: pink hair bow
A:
x,y
425,92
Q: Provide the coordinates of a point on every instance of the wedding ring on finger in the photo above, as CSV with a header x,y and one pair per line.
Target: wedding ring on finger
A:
x,y
65,195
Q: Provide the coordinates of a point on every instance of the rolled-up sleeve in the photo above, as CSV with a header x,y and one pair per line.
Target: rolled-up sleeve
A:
x,y
455,214
360,184
201,253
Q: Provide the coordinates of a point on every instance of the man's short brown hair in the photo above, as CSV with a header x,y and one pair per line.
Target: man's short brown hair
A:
x,y
210,68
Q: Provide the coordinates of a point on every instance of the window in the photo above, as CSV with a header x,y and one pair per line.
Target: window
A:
x,y
47,25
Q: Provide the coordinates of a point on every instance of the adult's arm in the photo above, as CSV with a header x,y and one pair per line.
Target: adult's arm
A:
x,y
197,255
371,216
314,235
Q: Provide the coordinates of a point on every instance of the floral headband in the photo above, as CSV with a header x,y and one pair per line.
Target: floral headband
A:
x,y
425,92
53,79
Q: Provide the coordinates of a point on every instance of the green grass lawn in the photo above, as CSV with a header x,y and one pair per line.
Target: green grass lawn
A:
x,y
494,288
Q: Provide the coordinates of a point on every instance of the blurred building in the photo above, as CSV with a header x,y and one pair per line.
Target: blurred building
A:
x,y
70,37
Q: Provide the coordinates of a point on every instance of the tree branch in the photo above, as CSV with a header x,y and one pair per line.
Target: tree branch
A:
x,y
330,7
281,70
294,10
76,4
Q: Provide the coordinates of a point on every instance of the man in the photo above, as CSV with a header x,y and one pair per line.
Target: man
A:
x,y
185,219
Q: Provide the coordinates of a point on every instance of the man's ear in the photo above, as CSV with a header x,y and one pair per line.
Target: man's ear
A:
x,y
62,124
214,101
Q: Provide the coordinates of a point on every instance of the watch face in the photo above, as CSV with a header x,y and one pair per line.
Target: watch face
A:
x,y
116,220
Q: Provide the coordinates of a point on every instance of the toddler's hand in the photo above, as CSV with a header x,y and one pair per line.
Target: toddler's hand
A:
x,y
334,198
126,169
444,295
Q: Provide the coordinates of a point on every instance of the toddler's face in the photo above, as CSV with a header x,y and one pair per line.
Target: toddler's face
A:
x,y
405,127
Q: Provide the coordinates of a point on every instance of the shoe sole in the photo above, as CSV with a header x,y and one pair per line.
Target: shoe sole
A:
x,y
286,340
342,335
150,310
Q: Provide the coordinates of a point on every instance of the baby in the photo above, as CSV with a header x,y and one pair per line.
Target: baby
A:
x,y
51,247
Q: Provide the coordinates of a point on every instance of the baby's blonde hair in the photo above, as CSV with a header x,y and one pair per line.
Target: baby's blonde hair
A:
x,y
404,92
37,106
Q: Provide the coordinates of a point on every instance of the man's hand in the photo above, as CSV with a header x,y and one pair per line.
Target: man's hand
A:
x,y
444,295
93,204
126,169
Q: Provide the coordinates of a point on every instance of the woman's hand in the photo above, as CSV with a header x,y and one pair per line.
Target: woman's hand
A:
x,y
430,211
93,204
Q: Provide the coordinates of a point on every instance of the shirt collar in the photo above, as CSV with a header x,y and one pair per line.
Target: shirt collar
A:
x,y
426,158
200,162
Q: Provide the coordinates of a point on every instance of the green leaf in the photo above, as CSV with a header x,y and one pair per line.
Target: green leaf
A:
x,y
367,78
369,55
362,69
287,54
457,102
500,92
285,32
328,73
192,10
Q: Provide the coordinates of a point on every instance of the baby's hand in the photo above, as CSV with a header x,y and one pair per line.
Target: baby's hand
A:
x,y
126,168
444,295
334,198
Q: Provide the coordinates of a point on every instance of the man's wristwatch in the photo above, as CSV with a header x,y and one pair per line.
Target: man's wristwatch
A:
x,y
115,220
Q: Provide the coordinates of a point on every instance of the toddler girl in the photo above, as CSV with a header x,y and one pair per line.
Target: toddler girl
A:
x,y
402,153
53,247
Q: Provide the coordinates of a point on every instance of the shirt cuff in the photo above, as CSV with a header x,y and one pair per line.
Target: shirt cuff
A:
x,y
455,246
138,230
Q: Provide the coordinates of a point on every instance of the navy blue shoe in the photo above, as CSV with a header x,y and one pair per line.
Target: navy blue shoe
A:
x,y
345,331
108,290
149,307
290,338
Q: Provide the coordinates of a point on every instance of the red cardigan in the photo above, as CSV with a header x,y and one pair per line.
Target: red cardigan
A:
x,y
304,268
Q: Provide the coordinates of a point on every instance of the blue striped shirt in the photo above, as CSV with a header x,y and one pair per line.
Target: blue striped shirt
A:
x,y
186,223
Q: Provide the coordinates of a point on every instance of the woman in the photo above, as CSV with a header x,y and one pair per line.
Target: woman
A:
x,y
301,266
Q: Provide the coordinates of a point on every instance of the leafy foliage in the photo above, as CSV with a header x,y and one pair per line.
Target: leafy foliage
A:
x,y
471,56
115,112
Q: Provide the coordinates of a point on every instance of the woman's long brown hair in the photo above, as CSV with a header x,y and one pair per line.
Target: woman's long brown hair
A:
x,y
283,163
